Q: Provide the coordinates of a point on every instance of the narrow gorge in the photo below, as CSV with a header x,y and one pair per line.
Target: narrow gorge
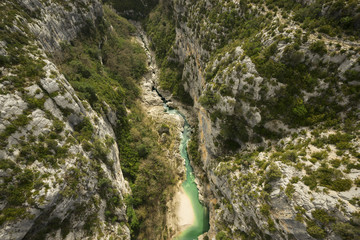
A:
x,y
180,119
187,216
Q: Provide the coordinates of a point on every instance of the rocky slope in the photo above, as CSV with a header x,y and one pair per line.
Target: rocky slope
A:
x,y
273,87
277,100
60,169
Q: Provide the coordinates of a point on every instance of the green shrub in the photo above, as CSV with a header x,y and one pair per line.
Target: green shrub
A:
x,y
289,190
335,163
346,231
343,145
100,151
327,177
273,173
318,47
84,129
322,216
7,164
193,149
271,225
90,222
292,56
319,155
327,29
294,179
11,214
357,182
352,75
289,156
209,99
316,232
341,185
310,181
232,130
300,211
265,209
86,145
21,121
134,221
338,137
222,236
299,109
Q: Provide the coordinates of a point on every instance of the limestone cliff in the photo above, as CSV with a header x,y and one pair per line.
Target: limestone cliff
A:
x,y
276,96
273,87
60,170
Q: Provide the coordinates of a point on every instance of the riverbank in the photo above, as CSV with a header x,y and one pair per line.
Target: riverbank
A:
x,y
180,213
185,214
184,210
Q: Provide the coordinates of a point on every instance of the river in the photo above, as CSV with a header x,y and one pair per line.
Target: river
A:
x,y
201,224
201,221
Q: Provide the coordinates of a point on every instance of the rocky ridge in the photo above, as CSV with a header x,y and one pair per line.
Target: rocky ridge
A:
x,y
234,97
60,168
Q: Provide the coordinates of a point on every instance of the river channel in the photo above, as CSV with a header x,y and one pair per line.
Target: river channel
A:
x,y
201,214
201,223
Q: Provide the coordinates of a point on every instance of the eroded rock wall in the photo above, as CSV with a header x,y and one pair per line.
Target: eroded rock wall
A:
x,y
262,187
60,168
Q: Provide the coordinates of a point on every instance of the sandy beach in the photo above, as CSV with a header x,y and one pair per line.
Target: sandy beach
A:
x,y
184,210
180,214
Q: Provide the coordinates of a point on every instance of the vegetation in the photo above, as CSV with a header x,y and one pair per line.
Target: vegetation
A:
x,y
17,189
340,16
289,190
315,231
26,68
347,231
95,73
298,86
318,47
111,74
322,216
104,66
193,148
273,173
251,29
21,121
150,176
136,9
160,27
328,177
209,99
222,236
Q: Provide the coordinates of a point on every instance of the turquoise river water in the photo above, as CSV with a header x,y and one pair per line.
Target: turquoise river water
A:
x,y
201,224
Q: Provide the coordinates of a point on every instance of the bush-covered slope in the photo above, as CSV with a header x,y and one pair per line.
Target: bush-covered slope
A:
x,y
276,89
72,125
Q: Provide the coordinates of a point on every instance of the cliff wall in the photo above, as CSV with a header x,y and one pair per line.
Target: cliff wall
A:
x,y
60,167
273,113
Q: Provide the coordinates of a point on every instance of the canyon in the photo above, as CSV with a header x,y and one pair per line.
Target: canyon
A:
x,y
103,118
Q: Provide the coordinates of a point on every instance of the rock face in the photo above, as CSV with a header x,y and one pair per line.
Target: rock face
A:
x,y
276,99
61,21
60,170
271,175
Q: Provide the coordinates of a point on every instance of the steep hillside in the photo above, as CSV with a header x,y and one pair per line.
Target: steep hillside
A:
x,y
72,124
60,167
275,86
270,87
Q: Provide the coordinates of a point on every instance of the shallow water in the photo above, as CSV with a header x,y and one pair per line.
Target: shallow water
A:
x,y
201,223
